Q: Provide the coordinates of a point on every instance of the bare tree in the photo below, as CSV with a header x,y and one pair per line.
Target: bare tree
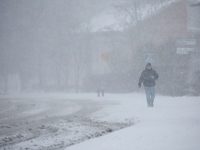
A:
x,y
132,15
39,39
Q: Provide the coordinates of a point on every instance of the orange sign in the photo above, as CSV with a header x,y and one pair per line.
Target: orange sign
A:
x,y
104,56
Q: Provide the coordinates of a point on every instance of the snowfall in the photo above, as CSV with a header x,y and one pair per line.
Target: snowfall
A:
x,y
69,121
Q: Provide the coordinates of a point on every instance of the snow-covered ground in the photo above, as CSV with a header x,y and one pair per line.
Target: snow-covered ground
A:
x,y
112,122
173,124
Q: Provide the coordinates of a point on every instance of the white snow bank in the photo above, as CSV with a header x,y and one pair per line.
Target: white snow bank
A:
x,y
173,124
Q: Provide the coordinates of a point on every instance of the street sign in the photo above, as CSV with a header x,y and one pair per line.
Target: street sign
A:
x,y
149,58
184,50
186,41
105,63
104,56
181,52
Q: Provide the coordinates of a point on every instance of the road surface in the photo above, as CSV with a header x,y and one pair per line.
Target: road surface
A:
x,y
44,123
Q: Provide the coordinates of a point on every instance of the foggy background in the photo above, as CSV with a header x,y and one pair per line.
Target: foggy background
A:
x,y
48,45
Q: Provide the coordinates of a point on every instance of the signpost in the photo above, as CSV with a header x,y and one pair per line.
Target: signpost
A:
x,y
149,58
182,50
186,41
104,56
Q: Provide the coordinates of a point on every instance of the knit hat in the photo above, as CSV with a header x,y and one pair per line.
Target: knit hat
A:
x,y
148,65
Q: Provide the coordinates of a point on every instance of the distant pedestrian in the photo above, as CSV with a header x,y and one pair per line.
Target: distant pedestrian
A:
x,y
148,77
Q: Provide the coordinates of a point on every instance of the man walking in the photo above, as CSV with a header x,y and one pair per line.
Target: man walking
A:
x,y
148,77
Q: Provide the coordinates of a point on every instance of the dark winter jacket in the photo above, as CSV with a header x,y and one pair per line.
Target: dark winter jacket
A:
x,y
147,79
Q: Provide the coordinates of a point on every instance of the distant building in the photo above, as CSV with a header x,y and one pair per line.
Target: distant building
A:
x,y
169,24
156,34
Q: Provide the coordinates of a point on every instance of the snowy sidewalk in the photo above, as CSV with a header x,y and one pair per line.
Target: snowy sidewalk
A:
x,y
173,124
